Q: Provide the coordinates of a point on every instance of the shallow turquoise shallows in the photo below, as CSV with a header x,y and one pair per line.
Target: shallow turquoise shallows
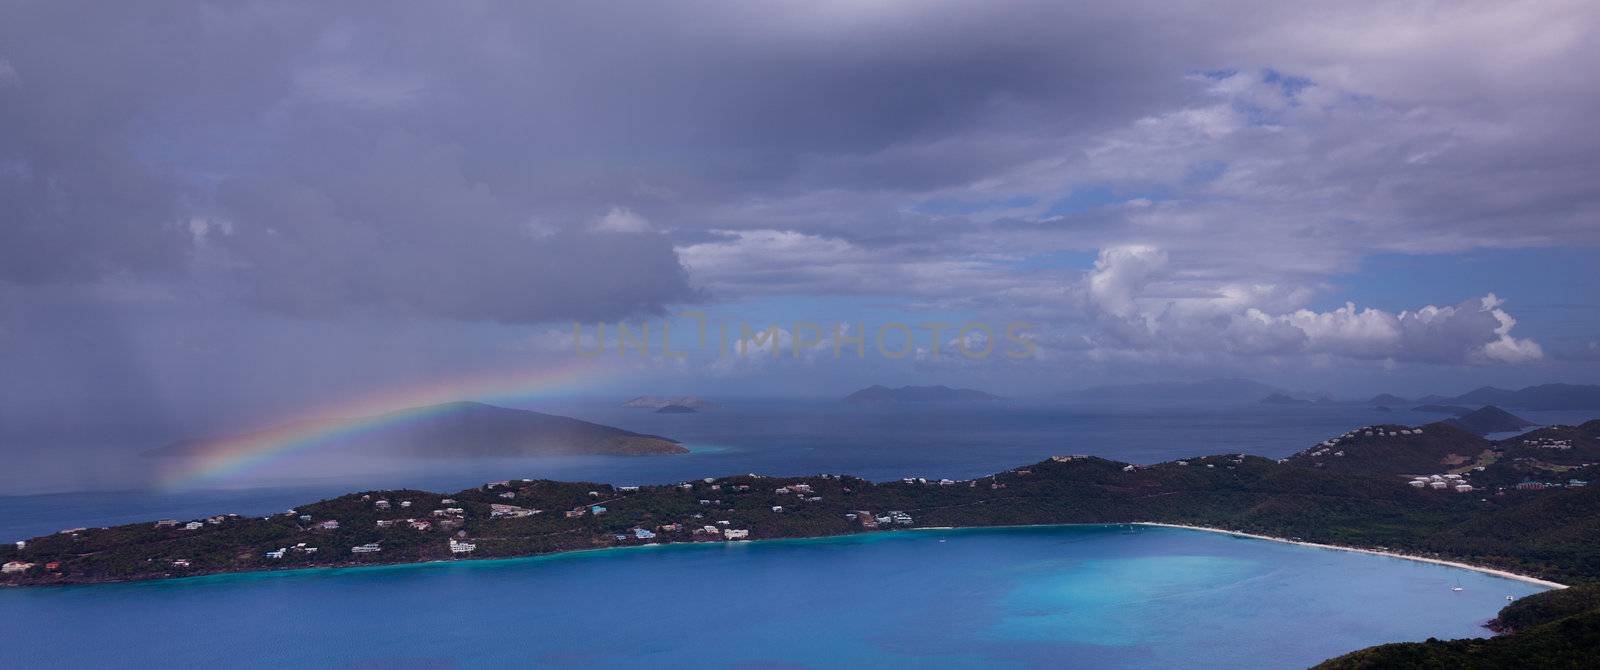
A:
x,y
1077,596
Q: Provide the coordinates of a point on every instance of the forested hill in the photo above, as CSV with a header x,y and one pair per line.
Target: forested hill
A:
x,y
1554,629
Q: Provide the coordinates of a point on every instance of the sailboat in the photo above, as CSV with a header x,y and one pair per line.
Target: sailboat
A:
x,y
1457,587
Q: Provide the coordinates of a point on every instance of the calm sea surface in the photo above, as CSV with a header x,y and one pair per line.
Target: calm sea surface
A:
x,y
1095,596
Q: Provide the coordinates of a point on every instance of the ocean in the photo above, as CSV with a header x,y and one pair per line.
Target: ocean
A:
x,y
1070,596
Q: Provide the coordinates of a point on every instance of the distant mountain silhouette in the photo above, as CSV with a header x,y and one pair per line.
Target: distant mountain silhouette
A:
x,y
1283,399
1457,410
1489,419
1386,399
1541,397
884,394
459,429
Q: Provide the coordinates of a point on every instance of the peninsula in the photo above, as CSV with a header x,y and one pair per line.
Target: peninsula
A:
x,y
1520,505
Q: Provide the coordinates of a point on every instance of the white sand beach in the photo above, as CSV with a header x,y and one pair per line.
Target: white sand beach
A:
x,y
1424,559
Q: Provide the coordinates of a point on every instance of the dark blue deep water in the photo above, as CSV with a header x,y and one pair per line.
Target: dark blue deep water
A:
x,y
1096,596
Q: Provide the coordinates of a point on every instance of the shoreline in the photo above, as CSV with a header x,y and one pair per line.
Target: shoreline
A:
x,y
595,550
1335,547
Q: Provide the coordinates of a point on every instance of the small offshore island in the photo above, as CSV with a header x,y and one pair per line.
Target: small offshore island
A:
x,y
1519,505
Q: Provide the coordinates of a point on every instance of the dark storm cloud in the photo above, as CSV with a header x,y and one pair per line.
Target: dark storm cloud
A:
x,y
391,222
450,160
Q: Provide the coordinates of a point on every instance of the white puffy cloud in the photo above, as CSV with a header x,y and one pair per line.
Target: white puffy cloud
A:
x,y
775,345
744,262
622,220
1136,304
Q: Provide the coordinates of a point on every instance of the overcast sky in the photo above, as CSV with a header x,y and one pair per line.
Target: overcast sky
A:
x,y
245,209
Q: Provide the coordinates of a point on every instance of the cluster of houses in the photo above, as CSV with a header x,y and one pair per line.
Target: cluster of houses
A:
x,y
500,511
719,531
940,482
447,517
871,521
1380,431
1234,460
192,525
504,483
1459,484
1450,482
635,534
1367,431
1540,486
1547,443
14,567
1332,446
895,517
801,491
278,553
715,532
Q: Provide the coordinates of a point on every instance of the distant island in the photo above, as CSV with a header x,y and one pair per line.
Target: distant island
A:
x,y
1283,399
677,409
1489,419
1540,397
453,430
1241,391
884,394
658,402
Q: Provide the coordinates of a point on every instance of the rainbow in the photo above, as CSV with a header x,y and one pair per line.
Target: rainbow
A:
x,y
229,457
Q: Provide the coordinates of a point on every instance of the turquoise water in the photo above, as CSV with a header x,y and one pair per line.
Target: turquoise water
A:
x,y
1084,596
